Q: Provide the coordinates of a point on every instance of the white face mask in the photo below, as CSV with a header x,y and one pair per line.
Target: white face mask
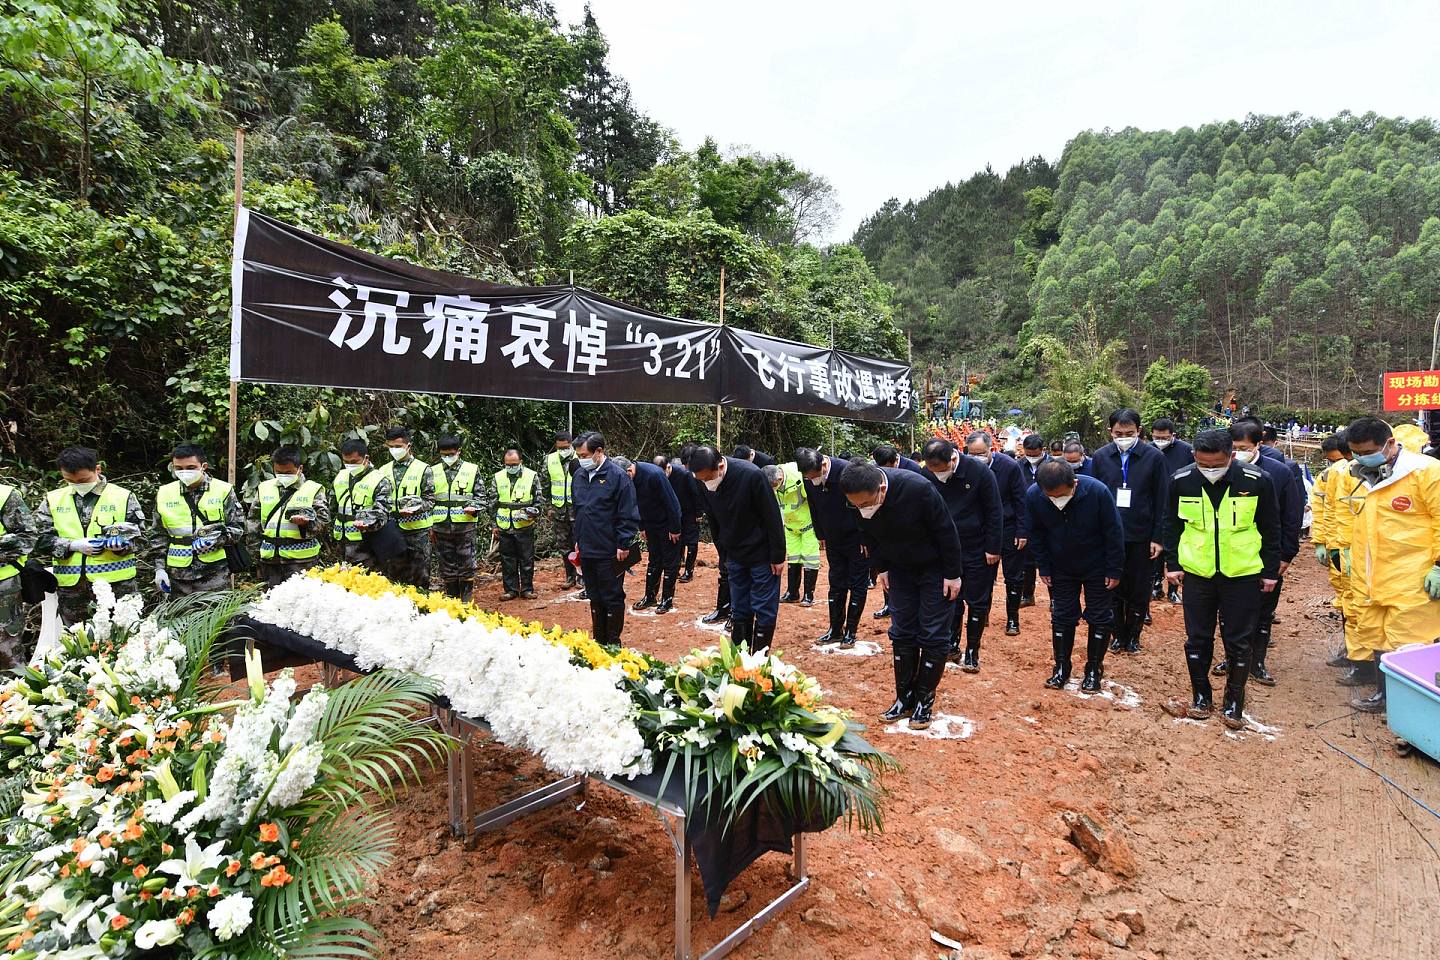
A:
x,y
287,479
398,453
713,484
1213,474
944,475
868,512
84,488
1247,456
981,458
1162,444
1034,461
451,459
1060,502
1125,443
354,467
189,476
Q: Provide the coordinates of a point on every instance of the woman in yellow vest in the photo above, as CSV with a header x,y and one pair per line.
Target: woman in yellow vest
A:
x,y
290,515
413,506
1394,548
459,501
93,528
196,515
362,504
17,539
516,507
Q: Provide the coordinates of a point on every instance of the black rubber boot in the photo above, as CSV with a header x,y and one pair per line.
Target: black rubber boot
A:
x,y
467,590
1360,674
1094,659
1173,594
952,653
599,628
1062,643
1232,712
742,631
718,615
1132,634
692,552
1120,640
927,682
852,620
907,661
1012,611
614,625
644,603
1202,695
1221,668
762,636
792,585
1339,660
1027,592
974,630
570,579
1375,703
808,600
884,610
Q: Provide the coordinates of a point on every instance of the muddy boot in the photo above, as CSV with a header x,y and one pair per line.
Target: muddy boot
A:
x,y
792,585
1062,643
927,682
467,590
1232,711
1094,660
974,630
1202,695
1132,633
1012,611
837,623
1221,668
907,660
808,600
1120,640
1375,703
852,620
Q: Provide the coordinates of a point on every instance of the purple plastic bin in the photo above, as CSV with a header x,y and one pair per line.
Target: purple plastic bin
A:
x,y
1413,696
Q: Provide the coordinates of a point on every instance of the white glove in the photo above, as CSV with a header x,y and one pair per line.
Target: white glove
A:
x,y
162,579
86,547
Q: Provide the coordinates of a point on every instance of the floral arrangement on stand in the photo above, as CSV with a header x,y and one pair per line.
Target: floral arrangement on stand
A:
x,y
735,726
142,813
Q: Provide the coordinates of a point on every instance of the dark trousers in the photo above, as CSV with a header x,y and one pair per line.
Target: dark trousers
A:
x,y
849,574
1132,596
517,559
1014,562
977,587
722,586
754,591
605,583
1032,573
689,541
664,560
919,613
1270,602
1244,605
1065,590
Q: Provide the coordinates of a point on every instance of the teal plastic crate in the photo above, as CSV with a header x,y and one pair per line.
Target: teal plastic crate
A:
x,y
1412,696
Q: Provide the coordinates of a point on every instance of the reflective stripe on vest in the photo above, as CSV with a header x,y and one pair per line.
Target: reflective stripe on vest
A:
x,y
174,513
348,503
409,486
450,499
277,534
1230,529
109,510
559,479
8,570
508,514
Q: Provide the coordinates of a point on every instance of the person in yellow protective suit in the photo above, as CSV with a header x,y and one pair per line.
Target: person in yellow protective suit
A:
x,y
1330,530
1394,546
802,547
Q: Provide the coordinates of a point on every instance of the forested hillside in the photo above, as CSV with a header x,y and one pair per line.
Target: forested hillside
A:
x,y
477,136
1295,259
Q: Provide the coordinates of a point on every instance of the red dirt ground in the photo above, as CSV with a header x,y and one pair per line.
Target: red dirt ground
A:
x,y
1218,846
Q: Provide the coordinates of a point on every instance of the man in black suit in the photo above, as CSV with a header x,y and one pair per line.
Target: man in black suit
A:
x,y
1178,455
692,511
1032,454
660,521
1010,479
837,525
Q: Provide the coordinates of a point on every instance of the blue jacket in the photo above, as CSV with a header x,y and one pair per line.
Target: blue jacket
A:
x,y
659,507
1012,483
1289,498
606,518
1084,540
1027,472
1296,470
1149,482
972,497
907,464
912,529
1083,468
836,522
687,492
1177,456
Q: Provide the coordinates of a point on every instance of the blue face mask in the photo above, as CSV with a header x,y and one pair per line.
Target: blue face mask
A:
x,y
1372,459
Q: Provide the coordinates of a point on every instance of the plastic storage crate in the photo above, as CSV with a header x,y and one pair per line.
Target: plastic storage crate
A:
x,y
1412,695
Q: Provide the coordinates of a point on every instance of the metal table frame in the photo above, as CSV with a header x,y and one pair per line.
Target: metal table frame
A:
x,y
465,822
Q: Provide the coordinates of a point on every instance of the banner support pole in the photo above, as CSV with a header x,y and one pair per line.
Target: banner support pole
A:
x,y
832,350
230,465
910,359
570,405
722,323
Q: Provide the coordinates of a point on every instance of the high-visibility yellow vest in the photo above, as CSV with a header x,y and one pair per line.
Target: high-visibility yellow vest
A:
x,y
407,486
451,498
8,570
794,507
180,524
352,496
109,509
559,479
278,536
509,514
1230,529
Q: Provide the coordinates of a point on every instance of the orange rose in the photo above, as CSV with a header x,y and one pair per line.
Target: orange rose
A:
x,y
269,832
277,877
140,871
119,922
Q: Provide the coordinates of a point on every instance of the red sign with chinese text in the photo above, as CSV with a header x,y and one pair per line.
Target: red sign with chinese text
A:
x,y
1412,390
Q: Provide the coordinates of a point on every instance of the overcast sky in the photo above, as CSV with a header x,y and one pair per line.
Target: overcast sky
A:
x,y
894,98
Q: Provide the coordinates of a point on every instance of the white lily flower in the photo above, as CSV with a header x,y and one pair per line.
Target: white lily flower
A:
x,y
196,861
156,933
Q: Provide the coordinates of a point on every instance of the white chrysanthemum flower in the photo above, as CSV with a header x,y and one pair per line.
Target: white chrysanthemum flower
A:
x,y
231,916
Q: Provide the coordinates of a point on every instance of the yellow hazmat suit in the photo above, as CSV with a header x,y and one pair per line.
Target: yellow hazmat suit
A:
x,y
1331,522
801,544
1394,541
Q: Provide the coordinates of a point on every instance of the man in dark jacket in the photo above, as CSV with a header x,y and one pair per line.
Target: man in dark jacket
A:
x,y
660,521
1079,544
1032,454
1246,434
1222,540
907,530
757,457
1075,456
1178,455
745,517
837,525
1139,484
606,521
972,498
888,455
692,511
1010,479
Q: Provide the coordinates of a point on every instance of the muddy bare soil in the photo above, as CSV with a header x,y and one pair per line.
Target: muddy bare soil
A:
x,y
1061,826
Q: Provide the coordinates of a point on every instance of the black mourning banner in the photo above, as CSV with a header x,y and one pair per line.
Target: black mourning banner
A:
x,y
312,312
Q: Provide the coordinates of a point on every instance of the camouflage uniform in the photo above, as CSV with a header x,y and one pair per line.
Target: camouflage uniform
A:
x,y
455,542
413,566
199,576
78,602
277,570
17,541
356,552
560,509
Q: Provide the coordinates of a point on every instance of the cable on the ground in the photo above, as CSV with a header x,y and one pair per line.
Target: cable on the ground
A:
x,y
1414,799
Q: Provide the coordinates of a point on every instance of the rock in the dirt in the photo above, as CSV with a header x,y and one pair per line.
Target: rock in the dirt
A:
x,y
825,919
431,904
1101,844
965,849
426,871
943,915
733,900
460,918
1112,932
599,862
1133,919
1068,868
1175,707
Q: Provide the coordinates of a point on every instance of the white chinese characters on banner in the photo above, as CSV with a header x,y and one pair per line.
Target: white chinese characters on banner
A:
x,y
374,310
459,324
530,330
586,343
